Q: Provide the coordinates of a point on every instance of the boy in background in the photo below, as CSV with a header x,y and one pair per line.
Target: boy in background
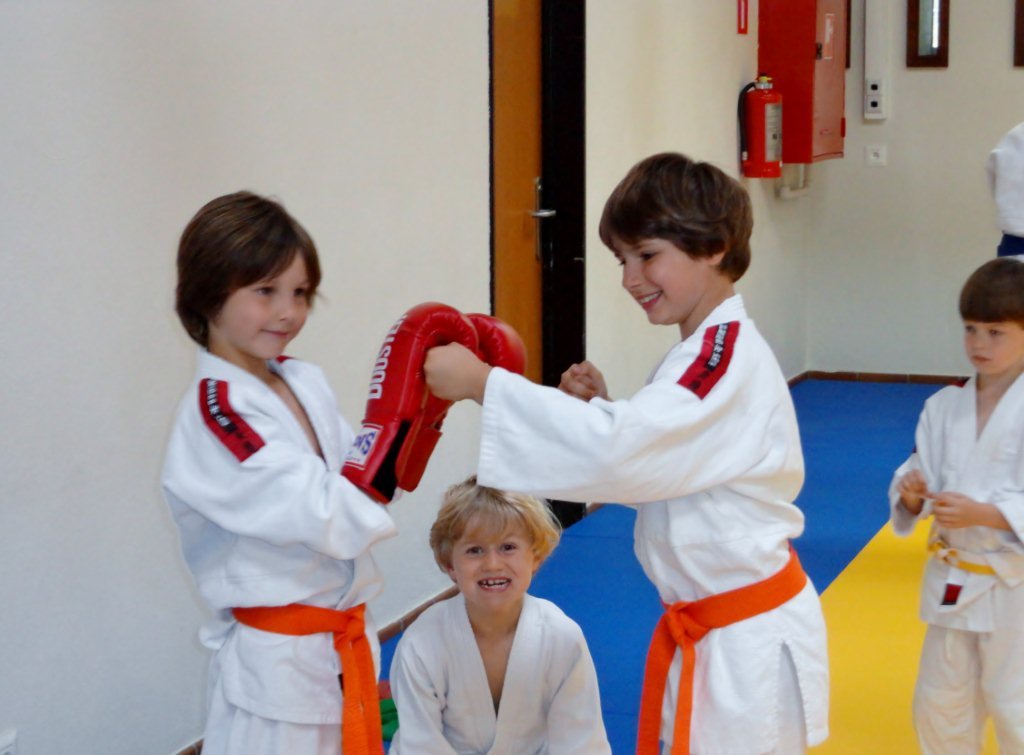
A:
x,y
967,471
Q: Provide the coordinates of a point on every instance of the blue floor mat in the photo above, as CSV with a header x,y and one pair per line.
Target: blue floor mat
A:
x,y
595,578
854,435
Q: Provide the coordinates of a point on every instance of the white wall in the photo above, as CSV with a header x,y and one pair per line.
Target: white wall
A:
x,y
369,119
664,75
890,247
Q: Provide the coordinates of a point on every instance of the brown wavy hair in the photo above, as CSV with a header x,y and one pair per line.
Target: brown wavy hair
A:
x,y
233,241
694,205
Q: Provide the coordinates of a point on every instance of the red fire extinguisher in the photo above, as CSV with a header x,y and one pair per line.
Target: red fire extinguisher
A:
x,y
760,115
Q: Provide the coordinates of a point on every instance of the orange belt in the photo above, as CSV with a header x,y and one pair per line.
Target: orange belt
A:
x,y
360,710
682,626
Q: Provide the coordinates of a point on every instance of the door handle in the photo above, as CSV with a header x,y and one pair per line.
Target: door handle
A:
x,y
539,214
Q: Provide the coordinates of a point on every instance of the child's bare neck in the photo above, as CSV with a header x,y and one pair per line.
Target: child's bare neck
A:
x,y
256,367
494,633
996,385
722,289
990,389
489,624
279,386
267,375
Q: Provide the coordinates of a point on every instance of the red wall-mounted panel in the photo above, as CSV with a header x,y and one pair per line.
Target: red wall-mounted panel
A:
x,y
802,46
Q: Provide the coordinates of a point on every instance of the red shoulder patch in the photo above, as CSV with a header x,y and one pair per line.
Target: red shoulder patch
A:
x,y
713,361
224,422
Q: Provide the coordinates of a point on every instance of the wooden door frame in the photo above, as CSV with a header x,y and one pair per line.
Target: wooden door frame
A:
x,y
563,160
563,176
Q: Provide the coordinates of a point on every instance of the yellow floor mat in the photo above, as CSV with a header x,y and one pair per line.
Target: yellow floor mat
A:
x,y
874,641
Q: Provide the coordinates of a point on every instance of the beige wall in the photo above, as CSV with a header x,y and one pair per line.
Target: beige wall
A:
x,y
664,76
369,118
890,247
860,274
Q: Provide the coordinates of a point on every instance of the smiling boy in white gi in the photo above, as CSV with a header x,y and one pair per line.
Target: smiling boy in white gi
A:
x,y
276,539
530,688
968,472
710,453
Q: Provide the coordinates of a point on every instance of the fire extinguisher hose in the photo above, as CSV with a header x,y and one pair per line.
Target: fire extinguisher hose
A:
x,y
741,115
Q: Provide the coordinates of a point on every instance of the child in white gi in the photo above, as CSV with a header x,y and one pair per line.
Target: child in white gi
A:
x,y
276,539
1005,168
967,471
710,453
495,670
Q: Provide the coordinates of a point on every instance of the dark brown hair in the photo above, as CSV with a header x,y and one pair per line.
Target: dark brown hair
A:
x,y
234,241
692,204
994,292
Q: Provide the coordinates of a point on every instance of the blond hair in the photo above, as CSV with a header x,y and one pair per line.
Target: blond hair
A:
x,y
496,512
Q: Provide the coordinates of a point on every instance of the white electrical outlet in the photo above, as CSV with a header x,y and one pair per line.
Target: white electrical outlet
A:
x,y
876,155
9,742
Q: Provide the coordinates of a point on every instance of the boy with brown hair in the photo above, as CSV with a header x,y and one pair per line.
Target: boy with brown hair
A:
x,y
277,540
967,471
708,452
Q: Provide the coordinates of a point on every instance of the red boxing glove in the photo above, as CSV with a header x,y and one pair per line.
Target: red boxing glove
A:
x,y
500,344
403,420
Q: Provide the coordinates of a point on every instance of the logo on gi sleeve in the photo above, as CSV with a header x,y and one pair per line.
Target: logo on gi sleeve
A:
x,y
227,424
713,361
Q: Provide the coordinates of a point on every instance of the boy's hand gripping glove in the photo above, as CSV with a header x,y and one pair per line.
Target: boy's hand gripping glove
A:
x,y
500,344
403,419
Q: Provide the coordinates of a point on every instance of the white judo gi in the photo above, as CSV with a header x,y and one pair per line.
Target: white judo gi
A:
x,y
550,703
1005,170
265,521
710,451
972,663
